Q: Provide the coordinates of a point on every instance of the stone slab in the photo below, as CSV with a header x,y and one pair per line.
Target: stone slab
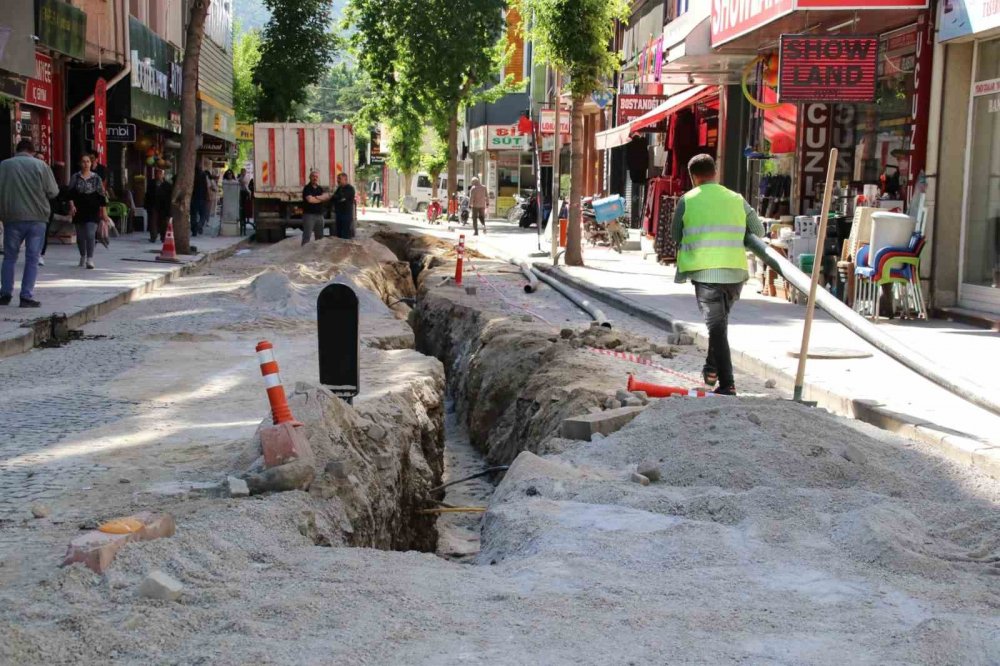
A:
x,y
606,422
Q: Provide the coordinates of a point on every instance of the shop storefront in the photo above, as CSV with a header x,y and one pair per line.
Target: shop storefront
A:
x,y
976,23
17,64
501,154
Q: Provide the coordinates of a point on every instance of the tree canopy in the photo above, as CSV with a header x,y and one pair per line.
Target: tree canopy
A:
x,y
296,49
246,55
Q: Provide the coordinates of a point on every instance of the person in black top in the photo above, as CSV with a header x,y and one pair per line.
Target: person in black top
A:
x,y
88,207
343,207
157,205
199,201
313,197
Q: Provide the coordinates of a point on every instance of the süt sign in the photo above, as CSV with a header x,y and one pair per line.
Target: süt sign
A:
x,y
827,69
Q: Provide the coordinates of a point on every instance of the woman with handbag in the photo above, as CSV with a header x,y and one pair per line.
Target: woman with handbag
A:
x,y
88,208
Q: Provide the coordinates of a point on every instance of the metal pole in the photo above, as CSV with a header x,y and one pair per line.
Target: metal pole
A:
x,y
800,374
554,224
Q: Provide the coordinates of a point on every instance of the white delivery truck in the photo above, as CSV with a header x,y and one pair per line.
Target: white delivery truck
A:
x,y
284,154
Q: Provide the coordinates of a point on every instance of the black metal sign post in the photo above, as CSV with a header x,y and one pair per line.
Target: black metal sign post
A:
x,y
339,346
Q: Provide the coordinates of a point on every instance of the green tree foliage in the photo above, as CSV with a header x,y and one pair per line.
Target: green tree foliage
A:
x,y
340,95
434,163
296,48
573,36
246,55
406,132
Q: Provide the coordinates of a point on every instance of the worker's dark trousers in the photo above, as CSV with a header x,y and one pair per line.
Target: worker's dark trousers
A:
x,y
715,301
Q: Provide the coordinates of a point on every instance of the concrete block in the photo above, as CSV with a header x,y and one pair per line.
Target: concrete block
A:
x,y
96,549
283,443
158,585
606,422
639,478
237,487
649,469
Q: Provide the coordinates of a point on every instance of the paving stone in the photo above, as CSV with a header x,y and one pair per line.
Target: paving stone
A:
x,y
158,585
635,477
606,422
237,487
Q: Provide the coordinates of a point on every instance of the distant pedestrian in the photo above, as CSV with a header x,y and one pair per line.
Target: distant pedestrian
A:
x,y
229,175
157,205
244,181
478,200
314,198
26,186
89,202
199,201
343,207
99,168
376,192
710,225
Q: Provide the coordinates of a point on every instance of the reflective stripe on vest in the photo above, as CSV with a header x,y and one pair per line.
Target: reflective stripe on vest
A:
x,y
714,229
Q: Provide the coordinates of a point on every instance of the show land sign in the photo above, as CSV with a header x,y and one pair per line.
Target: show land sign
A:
x,y
827,69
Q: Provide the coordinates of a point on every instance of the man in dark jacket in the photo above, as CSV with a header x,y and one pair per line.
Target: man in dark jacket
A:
x,y
157,206
199,201
343,207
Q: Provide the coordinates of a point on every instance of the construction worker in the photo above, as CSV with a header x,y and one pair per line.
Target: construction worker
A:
x,y
710,225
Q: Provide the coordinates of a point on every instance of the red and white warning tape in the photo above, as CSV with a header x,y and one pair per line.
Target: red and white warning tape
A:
x,y
503,296
635,358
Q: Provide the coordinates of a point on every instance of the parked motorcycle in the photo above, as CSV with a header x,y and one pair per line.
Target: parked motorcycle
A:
x,y
529,215
521,202
612,232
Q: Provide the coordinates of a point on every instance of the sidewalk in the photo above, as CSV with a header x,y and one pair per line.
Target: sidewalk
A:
x,y
763,331
124,271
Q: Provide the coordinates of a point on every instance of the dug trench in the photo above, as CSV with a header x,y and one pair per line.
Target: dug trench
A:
x,y
764,532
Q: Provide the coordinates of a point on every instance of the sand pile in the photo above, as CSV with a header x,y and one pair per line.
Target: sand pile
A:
x,y
277,295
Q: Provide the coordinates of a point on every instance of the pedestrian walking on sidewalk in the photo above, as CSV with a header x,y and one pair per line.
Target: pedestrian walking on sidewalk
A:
x,y
313,197
88,206
710,225
26,186
199,201
157,205
344,198
376,191
478,200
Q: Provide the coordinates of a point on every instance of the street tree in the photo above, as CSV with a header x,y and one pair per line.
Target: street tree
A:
x,y
184,180
436,161
406,132
574,37
296,49
246,55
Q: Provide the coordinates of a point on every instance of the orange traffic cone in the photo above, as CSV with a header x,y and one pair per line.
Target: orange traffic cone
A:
x,y
659,391
169,251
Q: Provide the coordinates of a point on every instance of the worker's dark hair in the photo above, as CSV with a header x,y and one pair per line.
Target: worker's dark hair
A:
x,y
25,145
702,166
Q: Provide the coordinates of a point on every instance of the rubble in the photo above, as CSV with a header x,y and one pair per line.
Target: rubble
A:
x,y
160,586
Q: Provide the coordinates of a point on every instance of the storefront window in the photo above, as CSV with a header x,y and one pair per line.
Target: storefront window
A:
x,y
982,226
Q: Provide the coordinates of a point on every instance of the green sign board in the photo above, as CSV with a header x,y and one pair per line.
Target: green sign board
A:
x,y
156,79
62,27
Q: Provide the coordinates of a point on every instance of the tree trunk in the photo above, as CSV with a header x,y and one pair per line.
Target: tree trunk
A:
x,y
574,234
453,154
184,178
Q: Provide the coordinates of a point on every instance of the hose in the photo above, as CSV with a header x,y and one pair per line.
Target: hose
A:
x,y
870,333
490,470
532,285
582,303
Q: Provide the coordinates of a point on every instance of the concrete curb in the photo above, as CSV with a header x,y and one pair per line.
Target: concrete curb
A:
x,y
953,445
34,333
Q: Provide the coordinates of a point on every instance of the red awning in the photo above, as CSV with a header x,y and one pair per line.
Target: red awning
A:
x,y
619,136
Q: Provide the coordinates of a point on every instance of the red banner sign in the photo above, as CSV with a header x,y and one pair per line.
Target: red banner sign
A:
x,y
733,18
631,107
101,121
827,69
38,92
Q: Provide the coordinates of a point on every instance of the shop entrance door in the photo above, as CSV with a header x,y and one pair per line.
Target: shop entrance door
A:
x,y
980,288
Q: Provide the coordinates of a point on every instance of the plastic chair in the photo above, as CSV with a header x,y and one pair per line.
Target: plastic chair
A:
x,y
118,210
896,266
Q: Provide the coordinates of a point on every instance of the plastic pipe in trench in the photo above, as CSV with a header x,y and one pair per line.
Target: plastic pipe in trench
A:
x,y
532,285
868,332
581,303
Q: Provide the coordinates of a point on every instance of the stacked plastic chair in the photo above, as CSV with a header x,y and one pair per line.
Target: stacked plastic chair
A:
x,y
897,266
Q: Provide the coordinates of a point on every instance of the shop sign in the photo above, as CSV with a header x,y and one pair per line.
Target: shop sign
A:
x,y
824,126
548,121
212,145
62,27
114,132
101,121
218,122
631,107
244,132
17,47
39,88
735,18
986,87
827,69
498,137
156,78
959,18
921,100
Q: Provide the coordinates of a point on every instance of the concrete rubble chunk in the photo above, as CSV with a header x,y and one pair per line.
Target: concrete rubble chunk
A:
x,y
283,443
642,396
650,469
770,383
566,333
376,432
237,487
158,585
622,395
754,419
632,402
97,549
639,478
339,469
40,511
296,475
606,422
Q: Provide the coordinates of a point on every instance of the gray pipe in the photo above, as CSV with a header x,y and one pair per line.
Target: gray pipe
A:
x,y
532,285
868,332
581,303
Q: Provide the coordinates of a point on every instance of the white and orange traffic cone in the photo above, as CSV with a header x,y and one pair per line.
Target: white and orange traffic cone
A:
x,y
461,259
284,441
169,251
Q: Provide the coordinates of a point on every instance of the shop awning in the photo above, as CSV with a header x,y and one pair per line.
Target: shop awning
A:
x,y
619,136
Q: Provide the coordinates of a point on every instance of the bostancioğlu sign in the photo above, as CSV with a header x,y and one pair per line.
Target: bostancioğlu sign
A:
x,y
156,79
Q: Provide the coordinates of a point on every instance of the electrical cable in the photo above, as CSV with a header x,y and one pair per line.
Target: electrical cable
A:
x,y
490,470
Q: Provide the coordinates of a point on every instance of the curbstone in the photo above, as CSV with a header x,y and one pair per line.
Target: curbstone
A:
x,y
158,585
237,487
583,427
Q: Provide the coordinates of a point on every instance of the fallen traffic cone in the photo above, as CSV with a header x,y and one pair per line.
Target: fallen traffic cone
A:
x,y
284,441
169,251
658,391
461,258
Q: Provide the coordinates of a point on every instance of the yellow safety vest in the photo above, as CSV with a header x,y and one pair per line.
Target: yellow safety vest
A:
x,y
715,224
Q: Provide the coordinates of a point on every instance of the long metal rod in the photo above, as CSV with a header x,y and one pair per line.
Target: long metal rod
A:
x,y
582,303
800,373
870,333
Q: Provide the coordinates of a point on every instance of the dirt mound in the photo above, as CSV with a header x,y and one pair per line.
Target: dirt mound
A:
x,y
276,294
